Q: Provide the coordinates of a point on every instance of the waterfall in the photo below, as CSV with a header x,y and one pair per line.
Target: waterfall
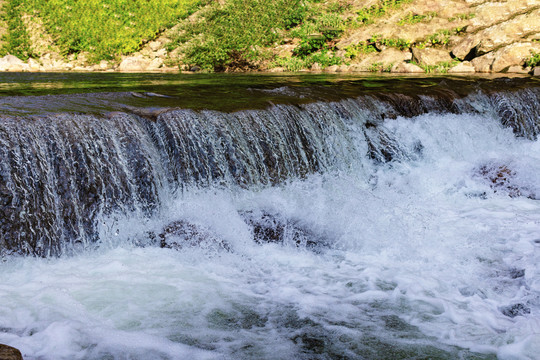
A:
x,y
60,172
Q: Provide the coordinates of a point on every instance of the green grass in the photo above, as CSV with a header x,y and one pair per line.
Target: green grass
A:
x,y
379,67
440,68
17,41
367,15
400,44
233,35
357,50
411,18
107,28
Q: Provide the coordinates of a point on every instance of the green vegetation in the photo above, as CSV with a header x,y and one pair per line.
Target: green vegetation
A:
x,y
107,28
367,15
401,44
534,60
466,16
379,67
233,35
324,58
441,68
215,42
17,41
355,51
411,18
441,37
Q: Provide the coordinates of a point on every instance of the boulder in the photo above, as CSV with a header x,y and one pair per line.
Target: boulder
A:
x,y
343,68
12,63
430,56
466,49
464,67
392,56
517,69
536,71
269,227
161,53
404,67
33,65
333,68
181,234
483,63
316,67
155,64
154,45
134,64
104,65
511,55
9,353
498,36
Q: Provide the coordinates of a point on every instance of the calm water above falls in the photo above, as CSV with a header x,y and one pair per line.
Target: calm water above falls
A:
x,y
308,217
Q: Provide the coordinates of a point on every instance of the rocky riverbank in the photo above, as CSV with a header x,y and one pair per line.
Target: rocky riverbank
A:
x,y
397,36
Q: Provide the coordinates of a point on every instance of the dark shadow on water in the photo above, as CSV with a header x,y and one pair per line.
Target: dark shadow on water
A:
x,y
38,93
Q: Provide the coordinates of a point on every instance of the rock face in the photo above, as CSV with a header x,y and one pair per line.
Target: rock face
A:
x,y
430,56
464,67
514,54
9,353
134,64
12,63
404,67
499,35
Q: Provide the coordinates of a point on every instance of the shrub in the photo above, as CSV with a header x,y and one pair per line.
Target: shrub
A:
x,y
233,34
534,60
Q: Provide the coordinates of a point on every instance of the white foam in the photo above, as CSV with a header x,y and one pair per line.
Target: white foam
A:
x,y
419,254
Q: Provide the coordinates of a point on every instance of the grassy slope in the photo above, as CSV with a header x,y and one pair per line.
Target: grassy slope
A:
x,y
233,35
105,29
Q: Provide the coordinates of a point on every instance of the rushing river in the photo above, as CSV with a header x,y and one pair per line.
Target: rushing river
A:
x,y
306,218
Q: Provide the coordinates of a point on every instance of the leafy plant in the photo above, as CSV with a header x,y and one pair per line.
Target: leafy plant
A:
x,y
355,51
401,44
309,45
534,60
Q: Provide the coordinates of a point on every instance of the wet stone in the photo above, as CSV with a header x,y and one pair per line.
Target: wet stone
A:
x,y
273,228
9,353
181,233
516,310
517,273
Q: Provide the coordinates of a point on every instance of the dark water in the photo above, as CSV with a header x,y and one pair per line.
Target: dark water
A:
x,y
39,93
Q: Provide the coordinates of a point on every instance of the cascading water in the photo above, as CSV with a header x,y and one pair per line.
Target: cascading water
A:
x,y
383,225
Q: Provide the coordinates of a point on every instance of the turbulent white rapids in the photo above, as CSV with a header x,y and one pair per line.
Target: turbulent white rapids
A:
x,y
430,251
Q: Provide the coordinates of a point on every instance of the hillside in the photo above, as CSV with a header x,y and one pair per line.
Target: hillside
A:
x,y
274,35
